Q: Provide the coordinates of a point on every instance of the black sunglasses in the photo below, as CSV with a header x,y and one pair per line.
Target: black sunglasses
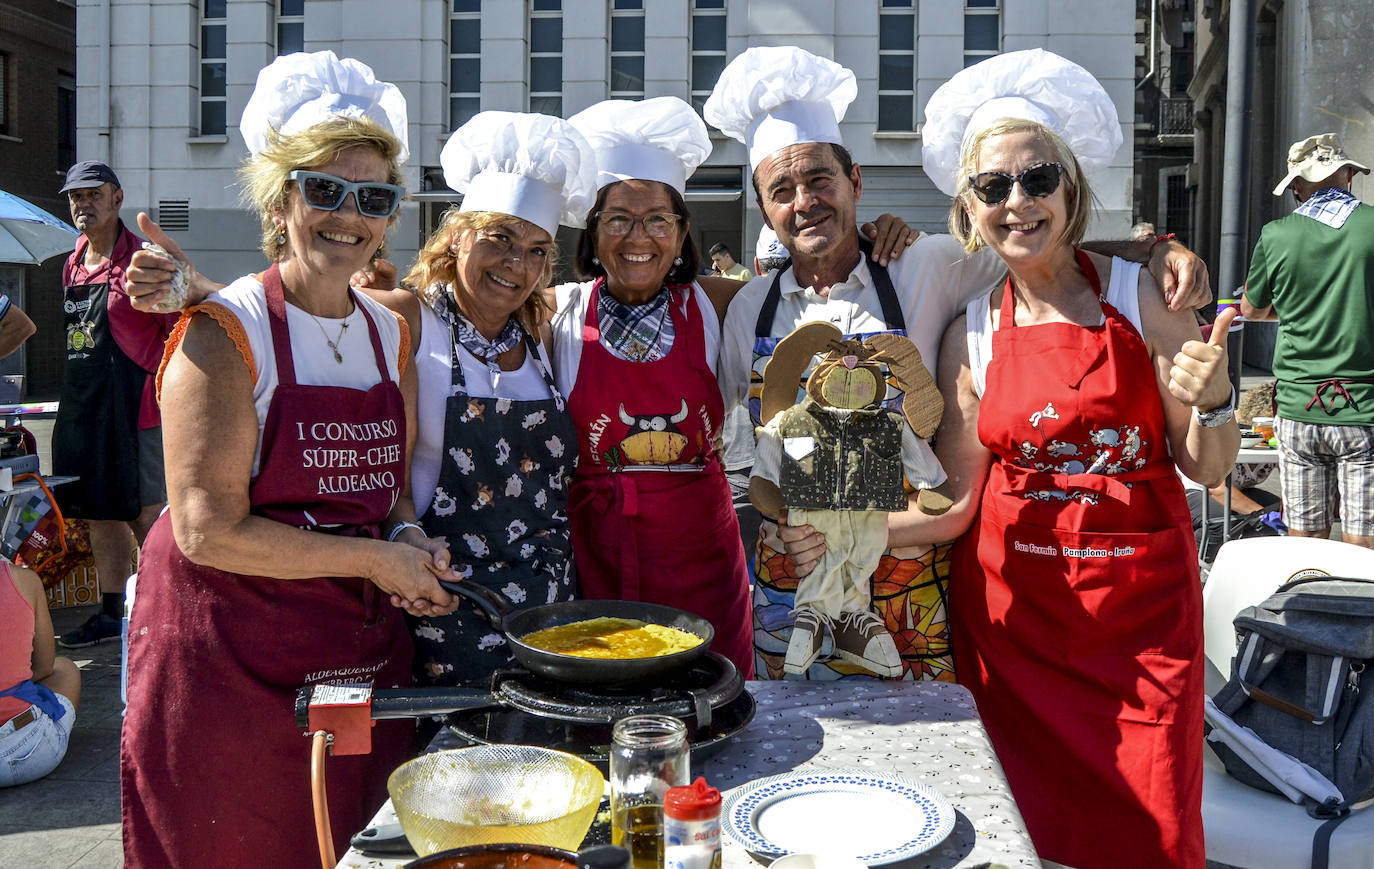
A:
x,y
327,192
1042,179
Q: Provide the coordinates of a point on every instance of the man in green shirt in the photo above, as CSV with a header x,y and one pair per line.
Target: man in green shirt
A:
x,y
1314,272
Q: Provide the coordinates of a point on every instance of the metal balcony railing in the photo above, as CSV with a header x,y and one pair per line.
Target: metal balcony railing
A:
x,y
1175,116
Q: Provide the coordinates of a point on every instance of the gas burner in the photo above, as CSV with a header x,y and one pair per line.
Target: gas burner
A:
x,y
590,741
690,694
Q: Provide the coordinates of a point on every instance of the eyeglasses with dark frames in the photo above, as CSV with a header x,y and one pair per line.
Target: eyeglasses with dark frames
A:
x,y
1038,181
327,192
659,224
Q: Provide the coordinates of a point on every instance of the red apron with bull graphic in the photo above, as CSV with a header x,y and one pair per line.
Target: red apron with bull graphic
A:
x,y
652,517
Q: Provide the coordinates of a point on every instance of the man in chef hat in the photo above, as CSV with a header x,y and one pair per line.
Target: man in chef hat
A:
x,y
786,104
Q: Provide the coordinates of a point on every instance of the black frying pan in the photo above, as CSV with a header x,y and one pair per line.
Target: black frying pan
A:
x,y
516,625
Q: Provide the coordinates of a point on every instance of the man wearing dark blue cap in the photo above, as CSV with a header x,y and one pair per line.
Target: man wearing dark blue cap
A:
x,y
107,430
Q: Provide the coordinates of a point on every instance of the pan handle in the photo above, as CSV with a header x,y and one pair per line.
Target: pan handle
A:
x,y
491,603
419,702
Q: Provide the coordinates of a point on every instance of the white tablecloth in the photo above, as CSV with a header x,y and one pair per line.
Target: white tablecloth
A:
x,y
926,731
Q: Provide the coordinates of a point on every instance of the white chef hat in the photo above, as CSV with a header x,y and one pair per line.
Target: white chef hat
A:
x,y
297,91
768,246
659,139
1034,85
772,97
535,167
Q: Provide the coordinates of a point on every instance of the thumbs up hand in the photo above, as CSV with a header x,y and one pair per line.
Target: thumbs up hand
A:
x,y
148,280
1199,376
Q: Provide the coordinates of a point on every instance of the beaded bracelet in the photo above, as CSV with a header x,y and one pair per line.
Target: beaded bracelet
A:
x,y
1158,239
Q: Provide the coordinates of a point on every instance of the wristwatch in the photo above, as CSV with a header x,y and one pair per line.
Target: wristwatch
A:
x,y
1217,416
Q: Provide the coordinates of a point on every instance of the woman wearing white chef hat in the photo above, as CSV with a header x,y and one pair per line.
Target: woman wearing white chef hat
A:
x,y
286,399
635,350
1073,399
496,446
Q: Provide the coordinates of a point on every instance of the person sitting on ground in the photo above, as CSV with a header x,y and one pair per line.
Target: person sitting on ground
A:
x,y
38,708
725,265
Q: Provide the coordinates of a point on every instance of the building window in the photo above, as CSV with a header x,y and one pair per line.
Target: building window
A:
x,y
212,67
708,48
982,30
290,26
66,121
5,91
546,57
627,49
897,65
464,61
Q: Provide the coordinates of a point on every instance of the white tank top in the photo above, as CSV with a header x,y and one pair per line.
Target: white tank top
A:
x,y
1123,293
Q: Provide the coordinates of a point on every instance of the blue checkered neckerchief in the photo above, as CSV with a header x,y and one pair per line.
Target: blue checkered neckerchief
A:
x,y
1331,206
473,341
638,333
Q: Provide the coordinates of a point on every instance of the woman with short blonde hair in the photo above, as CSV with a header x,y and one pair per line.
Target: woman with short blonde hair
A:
x,y
288,404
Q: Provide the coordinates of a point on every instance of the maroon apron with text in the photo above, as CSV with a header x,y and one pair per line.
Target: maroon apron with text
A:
x,y
214,770
1075,602
652,516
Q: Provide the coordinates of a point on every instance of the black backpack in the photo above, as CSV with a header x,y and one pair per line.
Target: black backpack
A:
x,y
1296,682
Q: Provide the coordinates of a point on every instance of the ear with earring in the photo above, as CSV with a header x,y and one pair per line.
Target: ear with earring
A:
x,y
281,233
677,261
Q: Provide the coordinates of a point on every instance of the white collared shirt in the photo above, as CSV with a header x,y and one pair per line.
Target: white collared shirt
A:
x,y
934,279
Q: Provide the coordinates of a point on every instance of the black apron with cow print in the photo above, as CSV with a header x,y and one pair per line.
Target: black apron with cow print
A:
x,y
501,501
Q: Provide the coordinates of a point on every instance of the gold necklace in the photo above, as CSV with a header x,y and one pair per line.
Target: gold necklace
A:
x,y
333,345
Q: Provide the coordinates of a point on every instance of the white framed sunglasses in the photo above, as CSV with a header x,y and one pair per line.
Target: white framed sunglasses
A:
x,y
327,192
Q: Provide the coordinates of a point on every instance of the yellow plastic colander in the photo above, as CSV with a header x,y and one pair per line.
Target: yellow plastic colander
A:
x,y
495,793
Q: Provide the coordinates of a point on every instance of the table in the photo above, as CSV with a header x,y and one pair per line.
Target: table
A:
x,y
926,731
1246,456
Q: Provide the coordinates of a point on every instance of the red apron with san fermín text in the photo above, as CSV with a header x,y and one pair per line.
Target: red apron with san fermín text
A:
x,y
652,517
214,769
1075,602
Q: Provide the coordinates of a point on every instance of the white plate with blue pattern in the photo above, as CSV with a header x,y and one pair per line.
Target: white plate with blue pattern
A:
x,y
876,817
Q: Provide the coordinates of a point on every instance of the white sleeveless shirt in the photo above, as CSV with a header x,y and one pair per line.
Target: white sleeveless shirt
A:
x,y
1123,293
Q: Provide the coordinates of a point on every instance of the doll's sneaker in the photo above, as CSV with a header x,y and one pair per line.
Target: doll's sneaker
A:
x,y
808,635
863,640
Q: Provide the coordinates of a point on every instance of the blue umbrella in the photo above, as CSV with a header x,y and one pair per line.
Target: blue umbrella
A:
x,y
28,234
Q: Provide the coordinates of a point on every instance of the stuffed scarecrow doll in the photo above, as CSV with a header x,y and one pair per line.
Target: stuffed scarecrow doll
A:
x,y
836,461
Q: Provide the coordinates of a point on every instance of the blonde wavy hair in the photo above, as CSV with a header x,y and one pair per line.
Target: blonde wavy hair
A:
x,y
267,188
436,266
1080,198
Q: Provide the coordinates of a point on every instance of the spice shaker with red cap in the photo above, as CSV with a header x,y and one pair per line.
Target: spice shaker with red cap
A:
x,y
691,827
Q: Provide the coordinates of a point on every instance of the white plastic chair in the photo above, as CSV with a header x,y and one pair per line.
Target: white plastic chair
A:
x,y
1244,826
